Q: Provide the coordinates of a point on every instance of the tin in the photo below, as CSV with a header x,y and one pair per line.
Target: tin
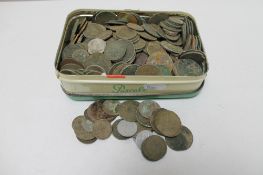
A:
x,y
91,87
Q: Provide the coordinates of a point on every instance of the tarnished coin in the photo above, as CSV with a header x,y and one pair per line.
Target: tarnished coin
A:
x,y
118,69
109,106
154,148
154,46
68,61
147,36
71,66
115,50
130,52
160,58
127,110
95,112
126,33
81,133
176,20
98,59
102,129
69,49
151,30
181,142
93,30
115,132
141,128
141,136
105,35
135,27
165,70
130,17
167,122
87,125
157,18
96,68
171,48
129,70
141,58
126,128
96,46
140,44
147,107
142,120
188,67
104,16
87,141
148,70
80,55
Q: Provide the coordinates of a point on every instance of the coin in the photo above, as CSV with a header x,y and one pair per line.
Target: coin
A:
x,y
130,52
171,48
147,107
115,132
140,44
126,128
69,49
135,27
109,106
80,132
154,46
141,136
188,67
96,46
148,70
149,29
158,17
87,141
181,142
80,55
69,60
93,29
176,20
105,35
147,36
165,70
160,58
87,125
154,148
126,33
115,50
167,122
142,120
95,112
71,66
141,128
127,110
129,70
141,58
98,59
102,129
104,16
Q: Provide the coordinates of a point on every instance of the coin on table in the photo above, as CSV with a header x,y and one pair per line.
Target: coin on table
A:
x,y
95,112
87,141
154,148
141,136
93,30
188,67
81,133
181,142
141,128
141,58
148,70
127,110
160,58
167,122
80,55
109,106
171,48
126,33
115,132
96,46
135,27
115,50
154,46
147,107
102,129
142,120
126,128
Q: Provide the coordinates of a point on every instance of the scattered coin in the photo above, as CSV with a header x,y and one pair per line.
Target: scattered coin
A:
x,y
102,129
141,136
181,142
154,148
109,106
147,107
141,58
115,132
142,120
80,132
188,67
127,110
126,128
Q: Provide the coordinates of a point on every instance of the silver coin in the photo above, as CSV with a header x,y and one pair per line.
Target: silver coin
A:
x,y
141,136
87,125
96,46
127,129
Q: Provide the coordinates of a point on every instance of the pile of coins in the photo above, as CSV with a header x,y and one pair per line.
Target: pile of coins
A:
x,y
128,44
152,128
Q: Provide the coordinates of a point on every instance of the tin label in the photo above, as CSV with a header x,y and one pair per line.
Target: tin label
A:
x,y
155,86
121,88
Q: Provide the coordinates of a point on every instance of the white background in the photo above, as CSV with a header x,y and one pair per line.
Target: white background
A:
x,y
35,115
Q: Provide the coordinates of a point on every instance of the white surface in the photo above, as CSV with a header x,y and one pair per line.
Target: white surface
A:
x,y
35,116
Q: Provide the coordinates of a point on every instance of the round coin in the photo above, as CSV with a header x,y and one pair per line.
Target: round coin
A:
x,y
93,30
154,46
147,107
171,48
148,70
80,132
181,142
103,16
115,50
141,58
102,129
188,67
127,110
141,136
160,58
135,27
154,148
129,70
87,125
109,106
142,120
115,132
126,128
126,33
80,55
167,122
96,46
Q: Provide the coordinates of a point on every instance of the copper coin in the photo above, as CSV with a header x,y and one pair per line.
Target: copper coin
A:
x,y
141,58
154,46
148,70
127,110
160,58
102,129
154,148
81,133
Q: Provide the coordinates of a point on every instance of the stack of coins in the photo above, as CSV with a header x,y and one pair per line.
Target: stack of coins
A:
x,y
152,128
128,44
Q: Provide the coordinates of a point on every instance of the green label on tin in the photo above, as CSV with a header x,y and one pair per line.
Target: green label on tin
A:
x,y
120,88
